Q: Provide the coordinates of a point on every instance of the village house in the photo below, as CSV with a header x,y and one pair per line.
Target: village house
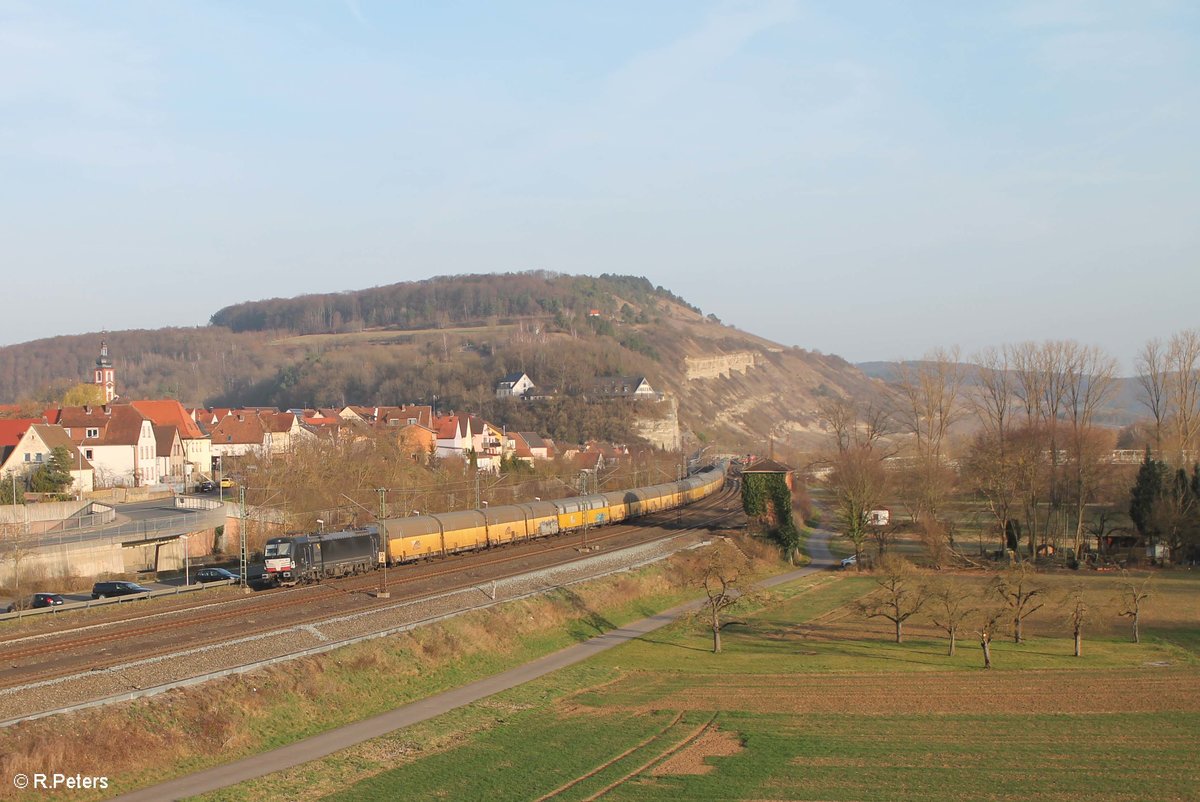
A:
x,y
238,434
197,447
172,464
623,387
26,444
117,440
514,385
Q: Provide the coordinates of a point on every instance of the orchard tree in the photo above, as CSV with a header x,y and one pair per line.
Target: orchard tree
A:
x,y
1131,599
722,572
900,595
952,607
1079,613
1018,591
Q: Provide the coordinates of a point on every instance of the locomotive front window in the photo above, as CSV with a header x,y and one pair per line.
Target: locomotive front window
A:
x,y
277,550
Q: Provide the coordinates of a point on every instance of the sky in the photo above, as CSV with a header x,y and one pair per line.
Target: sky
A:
x,y
870,179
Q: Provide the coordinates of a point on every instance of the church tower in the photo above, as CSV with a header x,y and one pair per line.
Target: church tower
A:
x,y
105,376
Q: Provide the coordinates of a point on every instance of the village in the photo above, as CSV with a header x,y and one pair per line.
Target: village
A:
x,y
162,444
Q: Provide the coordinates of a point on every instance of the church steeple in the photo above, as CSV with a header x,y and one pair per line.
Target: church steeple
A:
x,y
105,374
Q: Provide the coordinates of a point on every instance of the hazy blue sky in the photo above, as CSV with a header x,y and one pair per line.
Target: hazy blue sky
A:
x,y
862,178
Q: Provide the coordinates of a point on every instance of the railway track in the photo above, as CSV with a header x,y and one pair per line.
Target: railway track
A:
x,y
106,649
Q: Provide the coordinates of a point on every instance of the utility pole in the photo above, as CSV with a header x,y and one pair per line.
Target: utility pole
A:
x,y
242,532
383,545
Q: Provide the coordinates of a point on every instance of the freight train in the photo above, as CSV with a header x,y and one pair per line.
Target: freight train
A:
x,y
310,558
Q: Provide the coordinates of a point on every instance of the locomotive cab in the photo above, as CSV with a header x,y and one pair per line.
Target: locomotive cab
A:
x,y
279,560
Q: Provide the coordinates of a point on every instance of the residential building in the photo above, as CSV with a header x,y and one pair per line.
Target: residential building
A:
x,y
171,462
197,447
514,385
27,444
118,441
623,387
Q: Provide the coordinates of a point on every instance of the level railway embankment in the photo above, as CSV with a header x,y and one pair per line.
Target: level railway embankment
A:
x,y
149,653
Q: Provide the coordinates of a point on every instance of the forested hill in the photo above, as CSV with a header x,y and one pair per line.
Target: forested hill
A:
x,y
445,301
447,341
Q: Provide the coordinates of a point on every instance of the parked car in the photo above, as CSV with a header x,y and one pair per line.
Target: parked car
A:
x,y
37,601
850,561
104,590
226,482
216,575
207,486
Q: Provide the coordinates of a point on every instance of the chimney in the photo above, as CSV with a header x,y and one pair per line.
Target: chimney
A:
x,y
87,409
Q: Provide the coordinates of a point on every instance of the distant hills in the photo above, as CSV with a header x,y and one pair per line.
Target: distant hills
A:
x,y
1123,408
448,340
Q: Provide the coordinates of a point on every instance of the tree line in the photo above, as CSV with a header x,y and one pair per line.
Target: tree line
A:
x,y
1020,432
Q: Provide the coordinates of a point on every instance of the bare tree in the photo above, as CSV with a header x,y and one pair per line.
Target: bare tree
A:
x,y
1089,381
994,400
952,607
1017,589
1131,599
1151,365
856,478
858,483
719,571
900,595
929,392
988,617
993,466
1079,613
1183,391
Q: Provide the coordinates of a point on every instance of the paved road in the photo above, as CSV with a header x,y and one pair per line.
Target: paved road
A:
x,y
327,743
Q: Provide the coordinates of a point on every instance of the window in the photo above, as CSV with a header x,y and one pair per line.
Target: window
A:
x,y
27,456
37,457
87,454
92,432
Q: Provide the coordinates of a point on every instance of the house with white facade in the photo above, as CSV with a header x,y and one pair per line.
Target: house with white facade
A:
x,y
514,385
623,387
197,448
118,441
27,444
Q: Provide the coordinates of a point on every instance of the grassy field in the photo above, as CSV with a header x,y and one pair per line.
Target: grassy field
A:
x,y
809,701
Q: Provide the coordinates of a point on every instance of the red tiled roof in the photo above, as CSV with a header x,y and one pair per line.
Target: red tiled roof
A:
x,y
169,413
13,429
277,422
124,426
238,428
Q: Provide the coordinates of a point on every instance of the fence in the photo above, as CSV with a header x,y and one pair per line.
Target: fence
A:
x,y
83,605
